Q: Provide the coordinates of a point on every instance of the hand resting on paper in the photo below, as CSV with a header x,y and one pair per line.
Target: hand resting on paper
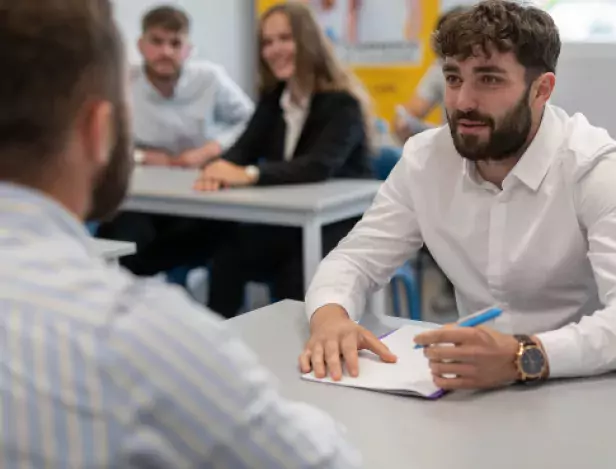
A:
x,y
480,357
336,338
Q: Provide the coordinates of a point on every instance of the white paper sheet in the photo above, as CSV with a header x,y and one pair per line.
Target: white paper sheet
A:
x,y
409,375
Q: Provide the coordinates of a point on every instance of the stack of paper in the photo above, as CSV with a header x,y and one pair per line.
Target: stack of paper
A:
x,y
410,375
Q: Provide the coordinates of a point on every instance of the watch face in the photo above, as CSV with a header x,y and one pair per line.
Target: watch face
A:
x,y
532,361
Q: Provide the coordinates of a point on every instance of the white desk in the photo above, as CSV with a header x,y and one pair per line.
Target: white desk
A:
x,y
559,425
309,206
111,251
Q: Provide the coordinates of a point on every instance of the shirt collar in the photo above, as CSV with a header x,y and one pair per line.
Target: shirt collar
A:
x,y
534,164
26,203
153,92
287,104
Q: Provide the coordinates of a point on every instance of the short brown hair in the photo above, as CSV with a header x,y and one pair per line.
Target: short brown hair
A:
x,y
166,17
56,55
505,26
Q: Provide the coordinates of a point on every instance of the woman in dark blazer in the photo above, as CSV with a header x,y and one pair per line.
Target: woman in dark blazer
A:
x,y
311,124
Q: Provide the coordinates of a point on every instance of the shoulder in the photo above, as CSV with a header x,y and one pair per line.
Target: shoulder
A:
x,y
584,146
431,147
204,72
335,98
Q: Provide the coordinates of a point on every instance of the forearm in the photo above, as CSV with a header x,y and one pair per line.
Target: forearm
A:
x,y
583,349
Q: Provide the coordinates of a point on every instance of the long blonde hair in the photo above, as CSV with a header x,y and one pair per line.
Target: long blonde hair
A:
x,y
317,68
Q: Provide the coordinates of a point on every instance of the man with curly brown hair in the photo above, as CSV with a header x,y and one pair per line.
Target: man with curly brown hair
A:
x,y
515,200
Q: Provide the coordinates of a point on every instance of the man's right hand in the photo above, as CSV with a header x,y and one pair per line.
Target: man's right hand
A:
x,y
156,158
335,337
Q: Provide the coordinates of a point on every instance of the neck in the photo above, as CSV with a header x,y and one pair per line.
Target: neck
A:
x,y
55,187
495,171
297,93
165,86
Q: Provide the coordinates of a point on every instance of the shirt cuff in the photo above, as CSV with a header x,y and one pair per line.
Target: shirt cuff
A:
x,y
563,352
353,306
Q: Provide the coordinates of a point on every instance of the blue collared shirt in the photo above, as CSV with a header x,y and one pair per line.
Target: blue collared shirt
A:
x,y
207,105
101,369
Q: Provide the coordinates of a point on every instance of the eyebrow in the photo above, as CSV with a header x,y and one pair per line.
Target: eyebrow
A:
x,y
489,69
451,68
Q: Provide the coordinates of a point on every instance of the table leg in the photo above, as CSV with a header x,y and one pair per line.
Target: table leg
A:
x,y
312,250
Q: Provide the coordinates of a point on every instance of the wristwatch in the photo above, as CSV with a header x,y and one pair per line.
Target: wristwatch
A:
x,y
530,361
252,172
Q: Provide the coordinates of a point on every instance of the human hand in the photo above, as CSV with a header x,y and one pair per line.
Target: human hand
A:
x,y
401,128
220,174
478,357
198,156
156,158
335,335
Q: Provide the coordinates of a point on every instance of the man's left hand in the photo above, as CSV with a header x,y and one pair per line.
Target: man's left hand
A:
x,y
222,173
477,357
198,156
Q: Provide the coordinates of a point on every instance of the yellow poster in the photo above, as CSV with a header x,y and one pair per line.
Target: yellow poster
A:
x,y
385,42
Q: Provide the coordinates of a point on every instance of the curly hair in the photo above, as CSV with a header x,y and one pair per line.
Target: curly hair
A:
x,y
503,26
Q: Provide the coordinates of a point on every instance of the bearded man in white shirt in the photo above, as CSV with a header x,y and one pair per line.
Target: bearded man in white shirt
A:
x,y
516,201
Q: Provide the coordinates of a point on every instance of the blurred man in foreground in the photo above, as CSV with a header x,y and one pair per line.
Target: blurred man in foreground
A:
x,y
98,368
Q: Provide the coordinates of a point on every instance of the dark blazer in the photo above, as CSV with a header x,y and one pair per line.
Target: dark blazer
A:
x,y
332,143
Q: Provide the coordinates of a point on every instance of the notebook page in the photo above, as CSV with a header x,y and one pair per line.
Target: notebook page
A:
x,y
411,373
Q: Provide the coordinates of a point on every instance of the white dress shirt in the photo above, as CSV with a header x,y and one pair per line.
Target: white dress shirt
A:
x,y
543,248
295,117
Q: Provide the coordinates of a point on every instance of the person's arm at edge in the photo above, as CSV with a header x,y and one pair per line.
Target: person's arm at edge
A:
x,y
248,148
232,110
383,240
205,397
589,347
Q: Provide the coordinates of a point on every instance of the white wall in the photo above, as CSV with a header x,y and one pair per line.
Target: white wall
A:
x,y
585,83
223,31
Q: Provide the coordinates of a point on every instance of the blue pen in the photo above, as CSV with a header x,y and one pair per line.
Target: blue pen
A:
x,y
477,319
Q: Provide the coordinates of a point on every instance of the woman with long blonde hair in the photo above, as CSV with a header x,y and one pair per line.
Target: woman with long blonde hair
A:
x,y
312,123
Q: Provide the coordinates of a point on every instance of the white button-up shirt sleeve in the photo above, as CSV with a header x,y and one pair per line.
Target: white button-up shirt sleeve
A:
x,y
384,239
589,347
232,109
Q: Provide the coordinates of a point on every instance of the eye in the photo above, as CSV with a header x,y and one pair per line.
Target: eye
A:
x,y
176,44
452,80
491,80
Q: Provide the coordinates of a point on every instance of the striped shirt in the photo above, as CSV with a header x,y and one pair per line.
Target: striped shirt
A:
x,y
99,369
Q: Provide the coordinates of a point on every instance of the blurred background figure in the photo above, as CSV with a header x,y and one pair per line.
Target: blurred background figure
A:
x,y
318,124
185,114
428,96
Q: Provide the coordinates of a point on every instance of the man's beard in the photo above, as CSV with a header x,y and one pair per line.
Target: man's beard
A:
x,y
112,183
172,76
504,141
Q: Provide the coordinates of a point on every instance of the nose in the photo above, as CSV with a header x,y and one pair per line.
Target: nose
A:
x,y
274,48
167,50
466,98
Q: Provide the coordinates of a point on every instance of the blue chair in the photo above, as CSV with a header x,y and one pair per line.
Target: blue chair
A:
x,y
92,227
178,275
382,164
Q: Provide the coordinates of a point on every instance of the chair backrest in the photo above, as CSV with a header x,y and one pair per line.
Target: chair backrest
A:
x,y
385,160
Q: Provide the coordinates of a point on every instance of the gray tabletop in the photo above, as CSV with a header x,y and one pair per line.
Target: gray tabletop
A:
x,y
112,250
560,425
170,184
